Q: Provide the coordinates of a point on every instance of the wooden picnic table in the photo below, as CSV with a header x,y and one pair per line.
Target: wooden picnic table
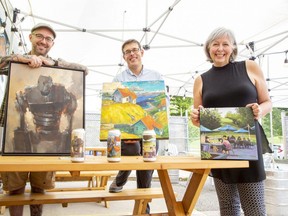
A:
x,y
200,169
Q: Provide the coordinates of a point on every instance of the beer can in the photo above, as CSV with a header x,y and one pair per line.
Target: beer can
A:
x,y
149,145
78,145
114,145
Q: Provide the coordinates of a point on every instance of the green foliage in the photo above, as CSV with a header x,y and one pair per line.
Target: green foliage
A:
x,y
194,136
277,123
156,101
234,117
240,118
194,132
206,155
179,104
211,118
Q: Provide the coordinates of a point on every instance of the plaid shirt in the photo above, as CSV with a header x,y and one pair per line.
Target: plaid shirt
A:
x,y
5,71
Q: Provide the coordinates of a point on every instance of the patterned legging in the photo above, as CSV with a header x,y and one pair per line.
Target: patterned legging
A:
x,y
249,196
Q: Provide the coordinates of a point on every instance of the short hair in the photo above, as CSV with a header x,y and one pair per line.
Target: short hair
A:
x,y
129,42
217,33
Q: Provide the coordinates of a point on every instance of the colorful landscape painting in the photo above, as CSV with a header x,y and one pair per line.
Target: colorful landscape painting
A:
x,y
228,134
133,107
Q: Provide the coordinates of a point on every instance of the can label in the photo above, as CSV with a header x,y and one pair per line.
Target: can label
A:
x,y
149,145
114,145
78,145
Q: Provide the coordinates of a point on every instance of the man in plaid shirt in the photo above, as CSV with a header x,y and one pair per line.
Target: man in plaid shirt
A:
x,y
42,40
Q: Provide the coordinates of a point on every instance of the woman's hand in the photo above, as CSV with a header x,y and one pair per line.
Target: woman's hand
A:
x,y
256,109
195,116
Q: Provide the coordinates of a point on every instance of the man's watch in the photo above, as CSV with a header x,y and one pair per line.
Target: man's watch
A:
x,y
56,63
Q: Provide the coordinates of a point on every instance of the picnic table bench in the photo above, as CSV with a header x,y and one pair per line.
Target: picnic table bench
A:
x,y
141,197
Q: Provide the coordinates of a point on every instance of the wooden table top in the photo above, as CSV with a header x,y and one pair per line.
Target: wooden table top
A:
x,y
200,169
94,163
95,148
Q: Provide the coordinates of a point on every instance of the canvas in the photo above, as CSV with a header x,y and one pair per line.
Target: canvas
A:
x,y
228,134
133,107
3,45
44,105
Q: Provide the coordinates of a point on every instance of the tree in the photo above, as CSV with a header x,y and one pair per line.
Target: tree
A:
x,y
212,118
277,123
179,104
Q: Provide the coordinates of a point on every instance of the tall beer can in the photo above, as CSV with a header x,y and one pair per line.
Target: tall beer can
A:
x,y
114,145
78,145
149,145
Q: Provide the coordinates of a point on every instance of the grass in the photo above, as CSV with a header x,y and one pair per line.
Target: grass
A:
x,y
276,140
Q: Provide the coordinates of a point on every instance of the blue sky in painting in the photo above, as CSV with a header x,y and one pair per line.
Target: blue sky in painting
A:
x,y
146,86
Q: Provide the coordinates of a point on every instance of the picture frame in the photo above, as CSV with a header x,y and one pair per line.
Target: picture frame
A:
x,y
133,107
44,105
228,133
4,44
4,48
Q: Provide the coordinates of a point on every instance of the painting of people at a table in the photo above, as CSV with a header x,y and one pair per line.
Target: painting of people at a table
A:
x,y
228,134
133,107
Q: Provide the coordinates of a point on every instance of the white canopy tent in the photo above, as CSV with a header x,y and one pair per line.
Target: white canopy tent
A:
x,y
172,33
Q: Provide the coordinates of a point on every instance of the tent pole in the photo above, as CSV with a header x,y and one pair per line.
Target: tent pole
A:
x,y
274,44
167,14
284,121
70,26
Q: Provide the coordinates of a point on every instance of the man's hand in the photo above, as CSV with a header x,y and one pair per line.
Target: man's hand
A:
x,y
63,63
32,60
47,61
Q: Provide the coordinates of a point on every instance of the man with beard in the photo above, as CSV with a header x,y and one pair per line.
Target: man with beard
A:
x,y
42,38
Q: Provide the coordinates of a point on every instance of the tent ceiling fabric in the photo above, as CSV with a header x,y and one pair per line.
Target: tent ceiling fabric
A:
x,y
173,33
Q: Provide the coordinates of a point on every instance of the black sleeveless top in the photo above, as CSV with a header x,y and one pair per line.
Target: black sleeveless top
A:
x,y
230,86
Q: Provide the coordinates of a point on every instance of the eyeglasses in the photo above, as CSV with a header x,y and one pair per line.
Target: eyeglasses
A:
x,y
134,50
41,37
